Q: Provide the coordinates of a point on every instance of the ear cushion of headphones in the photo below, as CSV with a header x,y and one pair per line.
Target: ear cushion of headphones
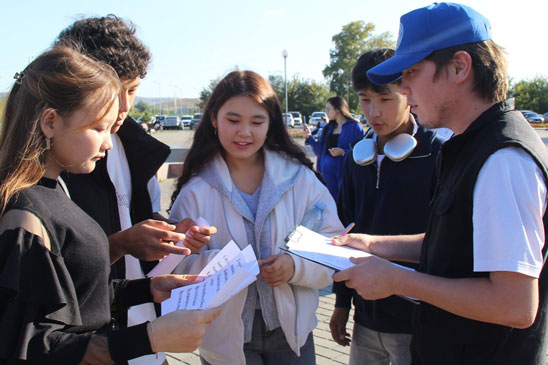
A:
x,y
399,147
365,152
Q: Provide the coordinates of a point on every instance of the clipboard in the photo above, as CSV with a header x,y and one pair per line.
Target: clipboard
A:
x,y
314,247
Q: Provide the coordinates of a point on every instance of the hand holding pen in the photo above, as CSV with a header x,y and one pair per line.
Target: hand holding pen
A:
x,y
347,229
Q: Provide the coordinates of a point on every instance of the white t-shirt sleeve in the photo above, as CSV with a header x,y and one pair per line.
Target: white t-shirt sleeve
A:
x,y
509,203
155,194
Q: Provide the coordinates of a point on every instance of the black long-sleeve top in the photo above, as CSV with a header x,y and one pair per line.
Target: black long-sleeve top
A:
x,y
54,283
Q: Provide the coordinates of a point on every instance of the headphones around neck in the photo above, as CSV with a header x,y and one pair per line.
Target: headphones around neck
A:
x,y
397,149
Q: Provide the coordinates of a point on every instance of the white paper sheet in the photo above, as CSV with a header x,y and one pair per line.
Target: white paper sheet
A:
x,y
314,247
168,263
232,270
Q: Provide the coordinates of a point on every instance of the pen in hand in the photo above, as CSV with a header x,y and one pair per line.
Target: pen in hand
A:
x,y
348,229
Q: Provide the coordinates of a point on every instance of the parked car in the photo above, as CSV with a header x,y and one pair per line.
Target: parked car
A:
x,y
318,115
297,117
316,125
186,120
195,120
158,122
173,122
532,117
545,115
288,119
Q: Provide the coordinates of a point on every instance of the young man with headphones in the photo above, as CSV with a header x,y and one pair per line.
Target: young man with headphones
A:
x,y
386,189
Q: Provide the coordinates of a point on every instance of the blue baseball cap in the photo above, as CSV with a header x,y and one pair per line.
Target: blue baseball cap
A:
x,y
425,30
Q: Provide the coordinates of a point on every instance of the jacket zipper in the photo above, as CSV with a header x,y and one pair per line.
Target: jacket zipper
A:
x,y
378,174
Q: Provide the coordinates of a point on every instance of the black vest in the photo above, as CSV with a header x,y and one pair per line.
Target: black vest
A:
x,y
442,337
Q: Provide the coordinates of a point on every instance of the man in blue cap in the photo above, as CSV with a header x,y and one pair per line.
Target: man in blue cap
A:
x,y
481,279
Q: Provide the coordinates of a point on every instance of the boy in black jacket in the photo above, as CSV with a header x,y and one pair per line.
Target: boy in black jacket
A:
x,y
384,197
122,194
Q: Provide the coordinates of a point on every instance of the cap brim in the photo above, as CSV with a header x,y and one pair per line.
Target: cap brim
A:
x,y
391,70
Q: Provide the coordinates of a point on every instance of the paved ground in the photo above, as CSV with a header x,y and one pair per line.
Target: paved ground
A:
x,y
327,351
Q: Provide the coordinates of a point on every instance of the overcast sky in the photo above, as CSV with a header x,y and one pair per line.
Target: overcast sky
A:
x,y
193,42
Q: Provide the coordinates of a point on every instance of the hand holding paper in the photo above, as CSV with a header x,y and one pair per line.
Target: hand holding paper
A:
x,y
162,285
277,269
228,273
167,264
197,234
372,277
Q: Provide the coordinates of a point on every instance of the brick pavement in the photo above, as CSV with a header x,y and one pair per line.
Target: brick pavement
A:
x,y
328,352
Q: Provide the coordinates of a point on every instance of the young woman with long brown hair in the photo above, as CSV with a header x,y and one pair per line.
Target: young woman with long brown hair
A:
x,y
334,142
246,176
54,259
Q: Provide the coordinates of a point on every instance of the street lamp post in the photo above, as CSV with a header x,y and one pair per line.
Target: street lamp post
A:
x,y
159,95
343,74
175,99
284,55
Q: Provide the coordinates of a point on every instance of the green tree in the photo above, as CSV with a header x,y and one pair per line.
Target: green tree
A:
x,y
355,39
303,95
532,94
142,110
206,93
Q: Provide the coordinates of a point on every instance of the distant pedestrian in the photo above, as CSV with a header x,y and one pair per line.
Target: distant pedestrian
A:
x,y
334,142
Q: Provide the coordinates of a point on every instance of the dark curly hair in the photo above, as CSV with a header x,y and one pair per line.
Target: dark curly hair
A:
x,y
111,40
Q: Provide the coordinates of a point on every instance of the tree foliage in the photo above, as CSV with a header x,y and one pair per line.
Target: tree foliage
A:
x,y
355,39
303,95
142,110
532,94
206,93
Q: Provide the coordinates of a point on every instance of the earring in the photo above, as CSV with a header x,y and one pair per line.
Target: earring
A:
x,y
48,143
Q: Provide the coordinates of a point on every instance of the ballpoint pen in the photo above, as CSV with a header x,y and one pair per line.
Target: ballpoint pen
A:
x,y
348,229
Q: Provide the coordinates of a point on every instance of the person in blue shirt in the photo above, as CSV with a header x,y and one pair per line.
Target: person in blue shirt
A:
x,y
334,142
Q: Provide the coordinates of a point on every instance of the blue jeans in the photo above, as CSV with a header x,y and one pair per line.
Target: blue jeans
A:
x,y
372,347
271,347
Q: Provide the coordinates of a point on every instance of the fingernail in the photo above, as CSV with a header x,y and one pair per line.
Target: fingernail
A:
x,y
199,279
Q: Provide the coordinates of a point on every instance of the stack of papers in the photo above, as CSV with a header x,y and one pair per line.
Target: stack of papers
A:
x,y
230,271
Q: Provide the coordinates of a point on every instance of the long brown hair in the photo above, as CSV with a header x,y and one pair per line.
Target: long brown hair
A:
x,y
61,79
340,104
206,144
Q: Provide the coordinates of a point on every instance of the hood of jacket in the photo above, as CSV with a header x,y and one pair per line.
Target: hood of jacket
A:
x,y
279,176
